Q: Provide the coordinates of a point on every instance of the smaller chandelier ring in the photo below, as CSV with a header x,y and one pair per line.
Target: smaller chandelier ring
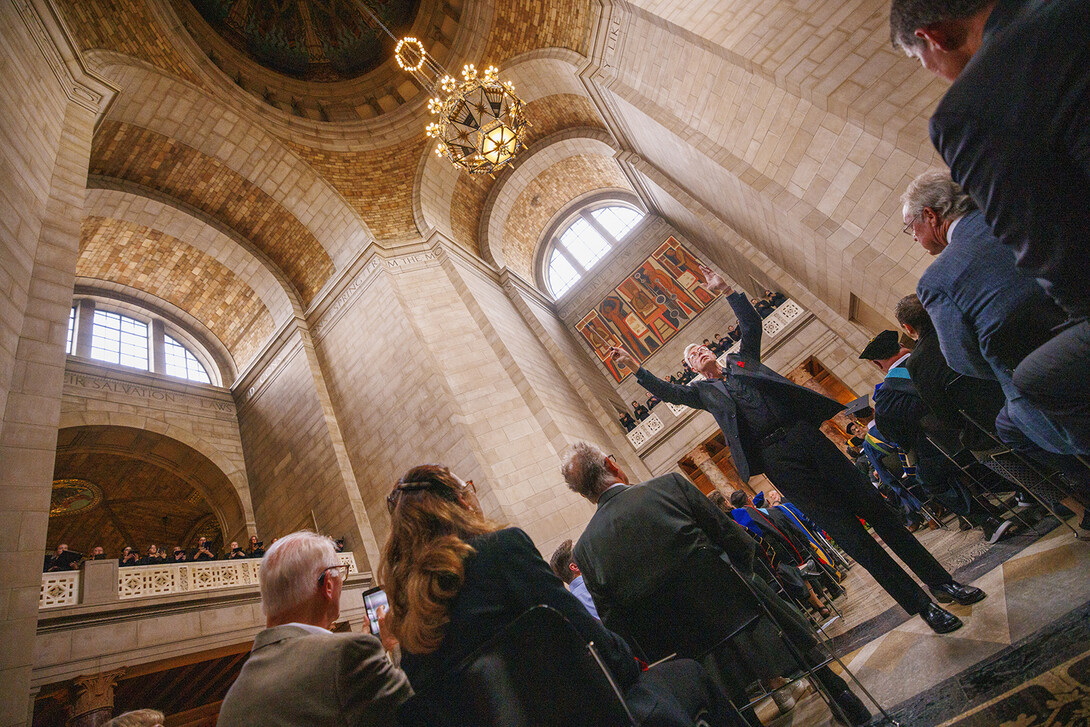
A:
x,y
402,52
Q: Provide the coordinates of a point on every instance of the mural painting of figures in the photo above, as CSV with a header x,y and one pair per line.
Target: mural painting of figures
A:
x,y
601,339
656,313
632,330
684,268
647,308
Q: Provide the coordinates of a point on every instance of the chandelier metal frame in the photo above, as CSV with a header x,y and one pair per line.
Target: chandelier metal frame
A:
x,y
481,122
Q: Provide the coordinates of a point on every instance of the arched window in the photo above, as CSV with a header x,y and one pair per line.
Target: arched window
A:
x,y
182,363
137,339
587,238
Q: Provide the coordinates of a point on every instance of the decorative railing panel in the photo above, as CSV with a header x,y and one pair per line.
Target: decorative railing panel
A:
x,y
59,589
143,581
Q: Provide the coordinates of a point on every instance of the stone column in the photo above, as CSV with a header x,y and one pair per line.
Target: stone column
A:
x,y
703,459
93,699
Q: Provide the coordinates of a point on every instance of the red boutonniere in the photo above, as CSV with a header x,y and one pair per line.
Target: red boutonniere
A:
x,y
741,363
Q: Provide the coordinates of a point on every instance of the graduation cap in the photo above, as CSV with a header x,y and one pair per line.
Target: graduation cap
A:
x,y
885,345
759,499
858,406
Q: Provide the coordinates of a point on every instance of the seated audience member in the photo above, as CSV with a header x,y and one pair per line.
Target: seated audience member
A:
x,y
639,410
785,554
128,557
763,307
455,580
299,672
947,394
1023,161
234,552
627,422
566,570
899,412
641,534
988,315
895,475
257,548
138,718
719,345
203,551
97,553
153,556
791,519
61,559
735,333
179,555
652,400
776,299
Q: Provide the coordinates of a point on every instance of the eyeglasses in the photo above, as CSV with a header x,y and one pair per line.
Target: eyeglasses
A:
x,y
342,569
907,229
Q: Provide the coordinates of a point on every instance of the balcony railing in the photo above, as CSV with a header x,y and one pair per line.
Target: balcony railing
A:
x,y
775,325
142,581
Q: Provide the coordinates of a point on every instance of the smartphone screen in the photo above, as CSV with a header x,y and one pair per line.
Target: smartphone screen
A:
x,y
372,599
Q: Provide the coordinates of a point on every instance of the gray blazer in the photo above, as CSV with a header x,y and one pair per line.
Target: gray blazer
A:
x,y
295,677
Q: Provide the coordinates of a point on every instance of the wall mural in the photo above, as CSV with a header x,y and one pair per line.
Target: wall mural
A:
x,y
648,307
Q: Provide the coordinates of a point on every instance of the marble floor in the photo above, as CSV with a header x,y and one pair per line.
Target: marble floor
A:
x,y
1036,618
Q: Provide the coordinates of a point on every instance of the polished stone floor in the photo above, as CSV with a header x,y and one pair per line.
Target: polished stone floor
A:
x,y
1036,618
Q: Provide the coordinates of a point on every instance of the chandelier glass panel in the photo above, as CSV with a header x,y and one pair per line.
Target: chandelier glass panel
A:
x,y
480,122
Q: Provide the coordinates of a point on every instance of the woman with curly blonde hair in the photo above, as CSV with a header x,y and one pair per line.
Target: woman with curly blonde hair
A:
x,y
454,580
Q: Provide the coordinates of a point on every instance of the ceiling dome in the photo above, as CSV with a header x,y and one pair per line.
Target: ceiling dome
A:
x,y
320,41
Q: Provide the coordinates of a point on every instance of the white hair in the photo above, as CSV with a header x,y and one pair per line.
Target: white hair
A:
x,y
689,349
290,570
935,189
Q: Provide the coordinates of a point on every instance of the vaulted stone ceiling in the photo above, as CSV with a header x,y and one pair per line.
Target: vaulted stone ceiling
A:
x,y
154,262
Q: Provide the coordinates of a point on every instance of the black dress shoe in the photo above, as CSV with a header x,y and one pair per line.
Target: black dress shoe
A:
x,y
852,710
954,591
939,619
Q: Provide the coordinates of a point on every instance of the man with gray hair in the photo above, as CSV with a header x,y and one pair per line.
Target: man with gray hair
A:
x,y
1014,128
299,672
988,315
771,425
642,535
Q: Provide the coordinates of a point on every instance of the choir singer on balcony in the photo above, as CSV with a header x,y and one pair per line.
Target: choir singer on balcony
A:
x,y
771,426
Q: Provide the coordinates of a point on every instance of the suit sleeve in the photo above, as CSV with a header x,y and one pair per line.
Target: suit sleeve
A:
x,y
749,323
529,576
719,527
683,395
958,337
370,688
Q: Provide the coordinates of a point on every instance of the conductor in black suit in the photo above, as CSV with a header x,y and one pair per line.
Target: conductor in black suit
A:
x,y
771,426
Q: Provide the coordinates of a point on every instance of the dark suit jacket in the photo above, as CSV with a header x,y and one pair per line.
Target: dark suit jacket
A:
x,y
712,395
298,678
1014,128
641,533
503,578
988,315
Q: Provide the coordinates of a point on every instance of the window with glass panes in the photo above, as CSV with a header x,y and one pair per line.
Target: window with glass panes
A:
x,y
119,339
68,346
586,240
182,363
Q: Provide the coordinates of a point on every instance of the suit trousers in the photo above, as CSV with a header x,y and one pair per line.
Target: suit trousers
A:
x,y
812,473
1054,379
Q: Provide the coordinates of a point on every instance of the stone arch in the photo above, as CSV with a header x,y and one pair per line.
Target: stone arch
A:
x,y
159,102
122,201
231,501
503,202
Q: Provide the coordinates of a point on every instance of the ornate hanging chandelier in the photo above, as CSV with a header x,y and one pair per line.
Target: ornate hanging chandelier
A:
x,y
481,122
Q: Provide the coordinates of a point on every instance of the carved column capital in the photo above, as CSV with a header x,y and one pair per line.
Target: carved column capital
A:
x,y
93,698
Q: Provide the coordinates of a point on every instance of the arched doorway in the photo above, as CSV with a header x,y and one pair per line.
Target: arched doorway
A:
x,y
116,486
